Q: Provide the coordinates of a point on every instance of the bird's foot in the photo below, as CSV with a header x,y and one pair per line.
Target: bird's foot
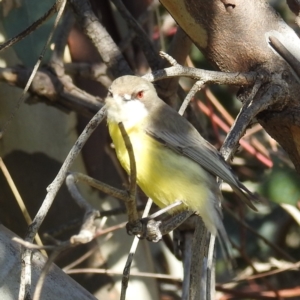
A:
x,y
145,229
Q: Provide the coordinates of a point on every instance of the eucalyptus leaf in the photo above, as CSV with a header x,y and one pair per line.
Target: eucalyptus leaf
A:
x,y
18,18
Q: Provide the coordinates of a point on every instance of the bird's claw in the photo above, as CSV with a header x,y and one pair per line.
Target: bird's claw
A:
x,y
145,228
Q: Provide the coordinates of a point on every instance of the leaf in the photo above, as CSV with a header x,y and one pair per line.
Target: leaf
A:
x,y
282,186
18,18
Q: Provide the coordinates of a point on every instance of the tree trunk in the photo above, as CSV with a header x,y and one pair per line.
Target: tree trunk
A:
x,y
233,36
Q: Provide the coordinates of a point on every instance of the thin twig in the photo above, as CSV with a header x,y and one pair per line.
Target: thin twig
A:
x,y
81,202
293,293
59,179
111,272
248,147
172,61
292,267
131,202
20,201
85,235
35,25
165,209
80,259
159,26
110,229
88,228
179,49
52,192
143,17
60,91
105,188
25,285
32,246
46,268
266,241
229,119
196,87
62,4
120,210
99,36
144,42
60,41
250,263
94,71
126,271
208,77
273,93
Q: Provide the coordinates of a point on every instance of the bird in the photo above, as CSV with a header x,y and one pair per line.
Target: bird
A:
x,y
173,161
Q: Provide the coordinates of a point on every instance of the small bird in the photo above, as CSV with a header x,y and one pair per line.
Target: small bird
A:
x,y
173,161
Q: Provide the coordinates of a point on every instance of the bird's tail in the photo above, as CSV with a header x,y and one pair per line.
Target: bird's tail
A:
x,y
226,249
224,240
247,196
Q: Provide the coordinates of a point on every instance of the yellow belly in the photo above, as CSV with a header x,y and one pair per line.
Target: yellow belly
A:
x,y
166,176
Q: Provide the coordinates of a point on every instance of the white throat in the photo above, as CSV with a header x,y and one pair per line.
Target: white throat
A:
x,y
128,112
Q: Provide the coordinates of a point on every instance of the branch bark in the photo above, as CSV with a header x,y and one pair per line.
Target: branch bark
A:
x,y
234,36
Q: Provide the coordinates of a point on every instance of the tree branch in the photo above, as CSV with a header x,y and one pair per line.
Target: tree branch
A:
x,y
103,42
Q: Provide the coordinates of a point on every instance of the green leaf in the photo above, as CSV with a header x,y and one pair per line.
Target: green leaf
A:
x,y
18,19
282,186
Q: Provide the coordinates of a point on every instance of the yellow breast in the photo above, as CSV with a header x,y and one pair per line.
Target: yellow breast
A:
x,y
166,176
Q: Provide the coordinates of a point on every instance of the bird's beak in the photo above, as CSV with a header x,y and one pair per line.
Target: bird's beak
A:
x,y
126,97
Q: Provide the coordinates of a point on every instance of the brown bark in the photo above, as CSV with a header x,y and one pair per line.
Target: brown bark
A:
x,y
233,35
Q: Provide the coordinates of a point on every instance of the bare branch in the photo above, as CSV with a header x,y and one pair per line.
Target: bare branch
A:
x,y
144,42
123,45
95,71
60,42
179,49
267,96
60,91
88,228
240,79
126,271
112,272
119,194
198,85
105,45
131,202
55,8
52,192
19,200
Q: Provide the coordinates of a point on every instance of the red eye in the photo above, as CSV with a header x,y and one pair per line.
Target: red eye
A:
x,y
140,94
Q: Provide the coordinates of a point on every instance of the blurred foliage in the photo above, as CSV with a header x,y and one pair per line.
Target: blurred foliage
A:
x,y
16,19
281,185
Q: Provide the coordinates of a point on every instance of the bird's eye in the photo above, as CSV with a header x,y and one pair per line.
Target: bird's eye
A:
x,y
140,95
109,93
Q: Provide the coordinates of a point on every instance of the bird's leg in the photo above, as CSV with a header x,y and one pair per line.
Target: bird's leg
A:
x,y
153,230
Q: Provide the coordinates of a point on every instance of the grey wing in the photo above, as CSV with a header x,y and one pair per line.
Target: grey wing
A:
x,y
183,138
197,149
